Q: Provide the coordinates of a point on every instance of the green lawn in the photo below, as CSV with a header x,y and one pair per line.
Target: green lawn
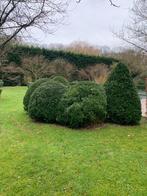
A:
x,y
41,159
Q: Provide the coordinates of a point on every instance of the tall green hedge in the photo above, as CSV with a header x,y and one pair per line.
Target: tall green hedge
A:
x,y
123,103
79,60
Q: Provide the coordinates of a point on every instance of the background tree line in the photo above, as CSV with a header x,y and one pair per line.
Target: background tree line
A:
x,y
78,61
35,62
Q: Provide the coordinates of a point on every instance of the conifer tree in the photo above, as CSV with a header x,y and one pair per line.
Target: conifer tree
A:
x,y
123,102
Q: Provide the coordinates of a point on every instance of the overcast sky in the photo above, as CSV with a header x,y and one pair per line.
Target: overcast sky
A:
x,y
91,21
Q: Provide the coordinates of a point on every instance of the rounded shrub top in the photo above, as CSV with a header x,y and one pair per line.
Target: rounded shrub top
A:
x,y
60,79
123,103
30,91
44,101
84,103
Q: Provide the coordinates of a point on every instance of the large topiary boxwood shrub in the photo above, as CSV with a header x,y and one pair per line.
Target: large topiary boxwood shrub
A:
x,y
43,104
30,91
123,103
84,103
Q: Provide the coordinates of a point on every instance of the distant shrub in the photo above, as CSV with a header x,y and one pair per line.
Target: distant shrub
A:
x,y
43,105
1,83
60,79
30,91
84,103
123,103
29,84
0,91
140,84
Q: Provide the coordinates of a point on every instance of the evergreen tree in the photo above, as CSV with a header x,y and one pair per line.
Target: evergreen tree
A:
x,y
123,102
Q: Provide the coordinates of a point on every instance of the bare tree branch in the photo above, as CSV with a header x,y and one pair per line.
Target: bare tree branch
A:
x,y
17,16
135,33
111,2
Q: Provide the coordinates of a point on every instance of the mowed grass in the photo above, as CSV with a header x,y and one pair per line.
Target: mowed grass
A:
x,y
41,159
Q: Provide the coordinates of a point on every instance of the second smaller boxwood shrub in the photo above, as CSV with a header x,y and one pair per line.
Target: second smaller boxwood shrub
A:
x,y
83,104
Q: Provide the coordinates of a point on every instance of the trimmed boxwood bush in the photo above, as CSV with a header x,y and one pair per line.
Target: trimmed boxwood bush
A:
x,y
30,90
123,103
84,103
60,79
43,104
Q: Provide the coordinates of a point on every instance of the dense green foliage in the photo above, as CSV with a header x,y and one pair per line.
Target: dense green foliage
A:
x,y
77,105
43,104
30,91
123,103
79,60
83,104
14,56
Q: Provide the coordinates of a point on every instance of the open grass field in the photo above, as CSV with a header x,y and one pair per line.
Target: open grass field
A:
x,y
39,159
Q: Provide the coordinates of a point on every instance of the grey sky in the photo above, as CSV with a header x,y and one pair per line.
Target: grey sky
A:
x,y
90,21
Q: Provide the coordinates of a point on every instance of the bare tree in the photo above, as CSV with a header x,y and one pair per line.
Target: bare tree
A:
x,y
135,60
135,33
34,67
111,2
17,15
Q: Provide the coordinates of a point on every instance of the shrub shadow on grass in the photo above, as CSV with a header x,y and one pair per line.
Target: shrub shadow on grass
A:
x,y
92,127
